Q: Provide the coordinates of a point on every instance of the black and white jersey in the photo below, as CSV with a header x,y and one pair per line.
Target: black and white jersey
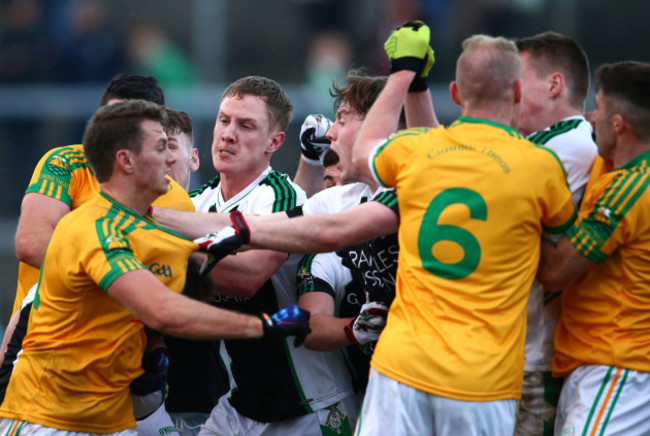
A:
x,y
571,139
274,380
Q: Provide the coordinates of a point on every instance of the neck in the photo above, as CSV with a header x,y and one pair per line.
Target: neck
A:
x,y
500,113
627,148
128,196
231,184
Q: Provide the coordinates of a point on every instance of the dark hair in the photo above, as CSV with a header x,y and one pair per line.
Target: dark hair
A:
x,y
627,85
133,87
115,127
178,122
277,103
357,89
551,51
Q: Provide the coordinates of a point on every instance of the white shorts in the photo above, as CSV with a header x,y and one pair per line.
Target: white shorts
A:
x,y
392,408
604,400
23,428
188,423
539,397
158,423
337,419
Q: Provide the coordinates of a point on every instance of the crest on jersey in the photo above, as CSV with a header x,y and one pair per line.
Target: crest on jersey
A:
x,y
304,277
603,215
57,165
115,243
335,420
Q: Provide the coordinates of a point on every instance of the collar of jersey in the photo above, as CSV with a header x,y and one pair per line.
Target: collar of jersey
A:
x,y
508,129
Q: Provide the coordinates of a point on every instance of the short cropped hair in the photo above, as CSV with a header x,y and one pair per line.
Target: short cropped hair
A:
x,y
278,105
178,122
487,68
626,85
116,127
550,52
133,87
358,90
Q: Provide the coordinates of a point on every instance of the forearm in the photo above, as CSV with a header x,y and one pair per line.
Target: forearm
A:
x,y
327,332
382,119
310,177
418,108
196,320
242,275
191,224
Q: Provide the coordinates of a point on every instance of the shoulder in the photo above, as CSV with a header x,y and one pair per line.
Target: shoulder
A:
x,y
285,193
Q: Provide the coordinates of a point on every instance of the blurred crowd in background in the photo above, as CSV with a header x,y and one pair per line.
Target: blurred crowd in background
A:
x,y
56,56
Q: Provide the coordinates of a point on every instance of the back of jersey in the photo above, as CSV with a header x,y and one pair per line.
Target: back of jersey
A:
x,y
473,201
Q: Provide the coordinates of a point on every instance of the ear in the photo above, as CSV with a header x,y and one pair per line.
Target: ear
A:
x,y
618,123
194,160
516,88
453,90
556,85
123,161
276,141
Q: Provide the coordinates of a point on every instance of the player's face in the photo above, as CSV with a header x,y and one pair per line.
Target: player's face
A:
x,y
152,163
332,175
343,134
184,158
243,138
534,92
601,120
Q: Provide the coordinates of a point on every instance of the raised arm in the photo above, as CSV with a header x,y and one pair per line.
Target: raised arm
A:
x,y
313,147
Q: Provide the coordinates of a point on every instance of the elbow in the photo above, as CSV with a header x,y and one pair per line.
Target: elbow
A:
x,y
26,251
550,280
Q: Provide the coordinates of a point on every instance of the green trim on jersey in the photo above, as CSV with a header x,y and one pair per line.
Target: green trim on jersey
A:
x,y
559,128
512,132
210,184
609,210
54,178
387,198
146,221
304,270
285,194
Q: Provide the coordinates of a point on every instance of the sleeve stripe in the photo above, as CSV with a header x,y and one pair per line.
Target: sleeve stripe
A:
x,y
285,193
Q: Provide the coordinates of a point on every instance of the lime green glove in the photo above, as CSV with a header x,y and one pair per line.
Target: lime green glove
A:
x,y
407,47
419,83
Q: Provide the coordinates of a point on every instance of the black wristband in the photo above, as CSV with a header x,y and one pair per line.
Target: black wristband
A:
x,y
419,84
406,63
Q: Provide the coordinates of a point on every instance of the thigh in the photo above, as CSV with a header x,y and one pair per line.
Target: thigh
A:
x,y
189,423
473,418
604,400
393,408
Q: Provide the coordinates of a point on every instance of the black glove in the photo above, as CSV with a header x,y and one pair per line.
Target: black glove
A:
x,y
156,366
290,321
224,242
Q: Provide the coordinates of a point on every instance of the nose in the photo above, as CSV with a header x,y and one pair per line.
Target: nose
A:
x,y
228,133
331,132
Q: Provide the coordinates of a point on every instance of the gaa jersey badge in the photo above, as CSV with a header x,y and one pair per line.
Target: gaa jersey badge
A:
x,y
57,165
335,421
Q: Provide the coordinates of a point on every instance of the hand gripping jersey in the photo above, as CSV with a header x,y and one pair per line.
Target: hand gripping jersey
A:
x,y
63,173
605,314
274,380
473,198
571,140
83,347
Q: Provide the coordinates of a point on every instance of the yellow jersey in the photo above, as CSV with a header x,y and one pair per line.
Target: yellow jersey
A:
x,y
473,200
605,314
83,347
63,173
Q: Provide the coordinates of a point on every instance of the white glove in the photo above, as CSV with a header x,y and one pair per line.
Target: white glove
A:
x,y
313,143
368,325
